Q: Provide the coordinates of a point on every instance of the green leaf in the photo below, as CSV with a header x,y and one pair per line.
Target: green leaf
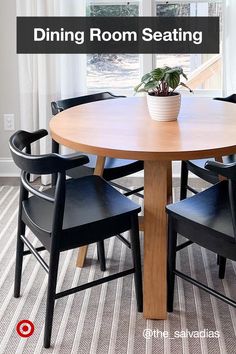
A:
x,y
166,68
173,80
158,74
146,78
184,75
136,88
164,79
150,85
179,70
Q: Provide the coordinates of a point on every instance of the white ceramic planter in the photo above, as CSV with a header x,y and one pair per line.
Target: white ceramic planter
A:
x,y
164,108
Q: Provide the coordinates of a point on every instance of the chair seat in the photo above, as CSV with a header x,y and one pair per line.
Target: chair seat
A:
x,y
198,168
210,210
85,210
114,168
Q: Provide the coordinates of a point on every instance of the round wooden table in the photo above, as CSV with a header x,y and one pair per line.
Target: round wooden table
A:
x,y
122,128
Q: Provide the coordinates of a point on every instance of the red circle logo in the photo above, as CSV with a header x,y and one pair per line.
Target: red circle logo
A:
x,y
25,328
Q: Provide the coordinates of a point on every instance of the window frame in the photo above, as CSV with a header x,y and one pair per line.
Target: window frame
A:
x,y
147,61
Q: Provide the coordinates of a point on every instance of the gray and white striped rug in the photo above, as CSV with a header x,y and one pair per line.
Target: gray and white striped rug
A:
x,y
104,319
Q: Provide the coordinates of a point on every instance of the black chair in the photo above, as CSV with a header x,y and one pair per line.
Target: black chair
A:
x,y
74,213
208,219
114,168
197,167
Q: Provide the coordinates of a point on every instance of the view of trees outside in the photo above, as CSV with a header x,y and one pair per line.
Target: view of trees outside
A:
x,y
112,71
121,71
190,62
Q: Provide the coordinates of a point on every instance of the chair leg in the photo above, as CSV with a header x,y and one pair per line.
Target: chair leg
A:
x,y
222,264
172,240
82,253
19,259
101,255
51,291
135,247
183,180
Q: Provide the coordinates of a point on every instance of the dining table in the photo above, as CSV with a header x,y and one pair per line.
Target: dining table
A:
x,y
123,128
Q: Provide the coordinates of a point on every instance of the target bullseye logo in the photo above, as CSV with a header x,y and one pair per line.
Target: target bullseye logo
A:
x,y
25,328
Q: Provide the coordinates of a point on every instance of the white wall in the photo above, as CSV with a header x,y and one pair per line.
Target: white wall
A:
x,y
9,91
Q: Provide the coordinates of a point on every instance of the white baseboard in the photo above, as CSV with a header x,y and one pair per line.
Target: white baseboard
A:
x,y
8,168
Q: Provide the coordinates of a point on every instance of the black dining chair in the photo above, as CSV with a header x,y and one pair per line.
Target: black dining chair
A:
x,y
114,168
73,213
197,167
208,219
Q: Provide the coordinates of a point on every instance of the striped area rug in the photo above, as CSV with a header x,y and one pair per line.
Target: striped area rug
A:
x,y
104,319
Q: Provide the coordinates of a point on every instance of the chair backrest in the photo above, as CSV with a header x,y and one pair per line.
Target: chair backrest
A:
x,y
40,164
231,98
20,147
33,164
228,171
61,105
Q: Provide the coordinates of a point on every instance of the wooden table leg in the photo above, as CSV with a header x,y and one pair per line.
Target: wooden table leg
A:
x,y
157,186
82,253
83,250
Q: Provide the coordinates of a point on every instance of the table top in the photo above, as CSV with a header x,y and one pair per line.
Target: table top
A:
x,y
123,128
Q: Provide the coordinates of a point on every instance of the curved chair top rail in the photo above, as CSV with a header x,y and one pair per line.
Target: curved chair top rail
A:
x,y
231,98
40,164
226,170
61,105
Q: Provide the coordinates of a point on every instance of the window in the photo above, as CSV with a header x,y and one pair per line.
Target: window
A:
x,y
119,73
204,70
112,72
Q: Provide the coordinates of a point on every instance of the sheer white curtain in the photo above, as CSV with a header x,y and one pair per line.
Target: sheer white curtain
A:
x,y
229,49
47,77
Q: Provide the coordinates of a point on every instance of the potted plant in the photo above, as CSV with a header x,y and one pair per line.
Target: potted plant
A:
x,y
160,85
